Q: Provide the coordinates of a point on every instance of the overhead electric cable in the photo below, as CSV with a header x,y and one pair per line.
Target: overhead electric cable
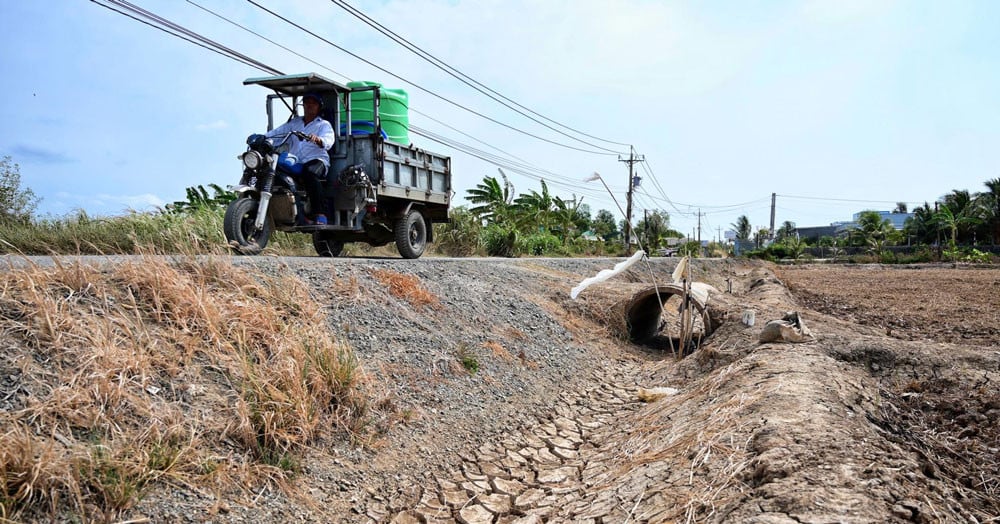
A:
x,y
187,35
467,80
519,169
420,87
300,55
847,200
183,33
349,79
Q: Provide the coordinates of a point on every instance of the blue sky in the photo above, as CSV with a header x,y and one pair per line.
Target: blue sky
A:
x,y
836,106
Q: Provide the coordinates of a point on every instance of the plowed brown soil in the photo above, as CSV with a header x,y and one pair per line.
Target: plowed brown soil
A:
x,y
944,304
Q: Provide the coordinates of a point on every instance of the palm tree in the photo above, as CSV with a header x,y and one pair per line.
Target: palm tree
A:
x,y
653,228
743,228
922,226
566,214
990,203
761,236
534,210
900,208
964,214
873,231
786,231
953,222
493,202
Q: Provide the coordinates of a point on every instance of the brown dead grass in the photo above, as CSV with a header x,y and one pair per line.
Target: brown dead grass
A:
x,y
498,350
193,372
408,288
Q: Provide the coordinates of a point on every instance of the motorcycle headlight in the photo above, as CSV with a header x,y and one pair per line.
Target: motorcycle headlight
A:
x,y
251,159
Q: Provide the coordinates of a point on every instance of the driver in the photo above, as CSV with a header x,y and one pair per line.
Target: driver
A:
x,y
311,152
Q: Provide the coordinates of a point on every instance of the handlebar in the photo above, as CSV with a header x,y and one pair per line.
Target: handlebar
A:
x,y
257,140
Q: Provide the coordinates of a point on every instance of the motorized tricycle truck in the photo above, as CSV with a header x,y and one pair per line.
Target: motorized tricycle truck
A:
x,y
376,190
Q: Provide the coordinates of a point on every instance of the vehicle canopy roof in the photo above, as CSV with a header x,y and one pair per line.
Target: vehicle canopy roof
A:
x,y
300,84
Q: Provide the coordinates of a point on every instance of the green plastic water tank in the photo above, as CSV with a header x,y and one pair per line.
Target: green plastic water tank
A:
x,y
394,110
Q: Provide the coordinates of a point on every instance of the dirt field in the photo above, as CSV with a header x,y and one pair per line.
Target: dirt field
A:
x,y
944,304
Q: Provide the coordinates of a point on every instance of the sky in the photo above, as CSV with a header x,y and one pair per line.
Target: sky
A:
x,y
834,106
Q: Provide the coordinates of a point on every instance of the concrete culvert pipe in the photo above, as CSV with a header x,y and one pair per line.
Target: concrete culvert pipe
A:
x,y
659,327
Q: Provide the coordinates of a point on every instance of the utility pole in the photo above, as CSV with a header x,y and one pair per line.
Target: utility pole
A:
x,y
699,226
632,182
771,232
645,223
718,238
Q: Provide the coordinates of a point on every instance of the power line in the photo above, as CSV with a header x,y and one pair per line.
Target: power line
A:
x,y
349,79
300,55
849,200
420,87
173,29
466,79
162,24
521,169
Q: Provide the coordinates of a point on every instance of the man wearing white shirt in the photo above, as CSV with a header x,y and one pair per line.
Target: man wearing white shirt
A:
x,y
310,152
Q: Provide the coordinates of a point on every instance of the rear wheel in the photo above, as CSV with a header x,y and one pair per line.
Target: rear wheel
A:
x,y
326,246
411,234
243,237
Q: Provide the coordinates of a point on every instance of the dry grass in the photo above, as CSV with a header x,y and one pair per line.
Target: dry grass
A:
x,y
700,436
498,350
192,372
408,288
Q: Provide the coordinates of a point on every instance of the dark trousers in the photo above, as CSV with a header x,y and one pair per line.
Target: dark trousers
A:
x,y
312,177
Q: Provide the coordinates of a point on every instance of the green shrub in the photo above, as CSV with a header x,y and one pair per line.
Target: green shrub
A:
x,y
498,240
923,254
461,236
538,244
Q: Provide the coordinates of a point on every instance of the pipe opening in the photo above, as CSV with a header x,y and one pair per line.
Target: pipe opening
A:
x,y
662,329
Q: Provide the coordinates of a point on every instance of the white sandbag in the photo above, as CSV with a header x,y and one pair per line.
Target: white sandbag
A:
x,y
605,274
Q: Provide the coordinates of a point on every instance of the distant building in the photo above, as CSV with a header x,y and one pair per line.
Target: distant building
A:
x,y
839,229
812,234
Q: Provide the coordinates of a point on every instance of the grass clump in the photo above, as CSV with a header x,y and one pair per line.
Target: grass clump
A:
x,y
408,288
468,359
189,372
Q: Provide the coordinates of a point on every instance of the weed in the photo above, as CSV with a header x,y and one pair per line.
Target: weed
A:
x,y
467,357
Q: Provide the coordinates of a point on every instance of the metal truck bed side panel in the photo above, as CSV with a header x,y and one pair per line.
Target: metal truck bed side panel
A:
x,y
416,171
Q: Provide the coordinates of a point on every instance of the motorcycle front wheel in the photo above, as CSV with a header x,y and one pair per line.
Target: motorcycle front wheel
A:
x,y
238,225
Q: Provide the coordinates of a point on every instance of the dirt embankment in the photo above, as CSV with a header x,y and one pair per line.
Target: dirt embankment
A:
x,y
506,401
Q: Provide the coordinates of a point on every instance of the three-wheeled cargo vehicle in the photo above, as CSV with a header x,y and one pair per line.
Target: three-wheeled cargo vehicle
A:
x,y
377,190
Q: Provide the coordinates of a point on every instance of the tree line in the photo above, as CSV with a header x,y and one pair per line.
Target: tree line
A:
x,y
957,222
501,222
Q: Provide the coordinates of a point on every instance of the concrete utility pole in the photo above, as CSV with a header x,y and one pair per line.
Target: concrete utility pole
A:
x,y
771,232
631,160
699,225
